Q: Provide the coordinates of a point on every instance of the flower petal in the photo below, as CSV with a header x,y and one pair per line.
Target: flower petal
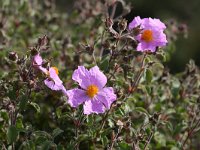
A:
x,y
135,22
37,60
54,76
81,75
63,89
143,46
51,84
76,97
97,77
160,37
93,106
44,70
106,96
149,23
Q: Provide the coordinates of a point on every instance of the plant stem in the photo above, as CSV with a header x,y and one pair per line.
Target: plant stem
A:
x,y
115,138
113,11
189,134
77,126
148,141
138,76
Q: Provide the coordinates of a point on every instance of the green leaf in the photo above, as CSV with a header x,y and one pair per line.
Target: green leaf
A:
x,y
148,75
142,110
23,102
27,145
42,134
90,120
60,147
110,123
104,64
174,148
160,138
124,146
12,134
56,132
161,56
19,123
104,140
46,145
40,140
4,115
36,106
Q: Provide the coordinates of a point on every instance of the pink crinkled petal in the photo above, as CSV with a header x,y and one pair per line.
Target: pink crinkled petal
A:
x,y
76,97
97,77
106,96
93,106
81,75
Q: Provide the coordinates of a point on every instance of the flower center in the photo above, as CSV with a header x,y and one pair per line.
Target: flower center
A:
x,y
147,35
92,90
56,70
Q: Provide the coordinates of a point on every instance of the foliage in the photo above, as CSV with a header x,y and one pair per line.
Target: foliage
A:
x,y
154,109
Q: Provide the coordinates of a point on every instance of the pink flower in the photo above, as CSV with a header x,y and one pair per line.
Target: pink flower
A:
x,y
93,93
135,23
37,62
53,81
152,34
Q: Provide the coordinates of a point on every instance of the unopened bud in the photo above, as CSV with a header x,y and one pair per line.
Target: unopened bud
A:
x,y
106,45
43,41
120,123
13,56
34,51
126,58
31,83
122,24
45,64
140,136
136,31
156,115
109,22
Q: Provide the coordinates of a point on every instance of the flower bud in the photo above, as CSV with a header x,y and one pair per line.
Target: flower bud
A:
x,y
136,31
34,51
45,64
31,84
109,22
13,56
122,24
43,41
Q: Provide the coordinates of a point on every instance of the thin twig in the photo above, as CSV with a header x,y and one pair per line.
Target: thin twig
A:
x,y
113,11
102,49
148,141
190,132
77,126
115,138
138,76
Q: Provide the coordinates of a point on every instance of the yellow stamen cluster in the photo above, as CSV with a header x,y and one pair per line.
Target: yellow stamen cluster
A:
x,y
92,90
147,35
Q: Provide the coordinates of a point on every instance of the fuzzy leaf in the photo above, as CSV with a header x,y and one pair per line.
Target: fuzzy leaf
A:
x,y
12,134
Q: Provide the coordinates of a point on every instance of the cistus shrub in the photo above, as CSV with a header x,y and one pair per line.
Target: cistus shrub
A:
x,y
89,79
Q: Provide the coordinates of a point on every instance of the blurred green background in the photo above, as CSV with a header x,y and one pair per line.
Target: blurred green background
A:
x,y
183,11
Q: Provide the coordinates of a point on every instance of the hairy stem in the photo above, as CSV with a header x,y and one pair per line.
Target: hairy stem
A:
x,y
189,134
148,141
115,138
